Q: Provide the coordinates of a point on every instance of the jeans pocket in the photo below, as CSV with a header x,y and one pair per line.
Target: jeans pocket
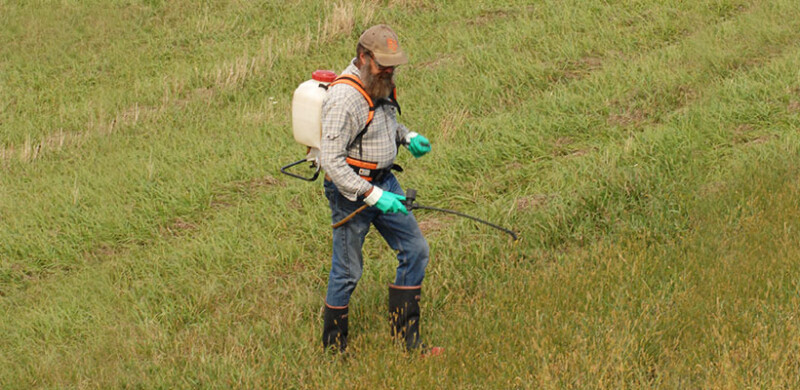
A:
x,y
330,189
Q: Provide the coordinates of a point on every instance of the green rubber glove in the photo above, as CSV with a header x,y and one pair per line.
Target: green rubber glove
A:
x,y
385,201
418,145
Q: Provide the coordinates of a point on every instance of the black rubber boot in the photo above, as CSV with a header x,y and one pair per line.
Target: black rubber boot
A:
x,y
334,330
404,314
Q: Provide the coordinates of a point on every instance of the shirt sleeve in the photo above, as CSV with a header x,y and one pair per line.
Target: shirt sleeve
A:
x,y
402,131
340,124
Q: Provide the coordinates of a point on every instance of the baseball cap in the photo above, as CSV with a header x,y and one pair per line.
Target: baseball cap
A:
x,y
383,44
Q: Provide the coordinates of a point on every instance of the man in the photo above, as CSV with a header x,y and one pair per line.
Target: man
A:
x,y
360,139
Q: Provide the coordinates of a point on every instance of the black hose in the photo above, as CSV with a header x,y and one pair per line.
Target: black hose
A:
x,y
411,196
417,206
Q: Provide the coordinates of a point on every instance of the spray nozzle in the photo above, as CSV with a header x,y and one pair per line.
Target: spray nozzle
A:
x,y
411,196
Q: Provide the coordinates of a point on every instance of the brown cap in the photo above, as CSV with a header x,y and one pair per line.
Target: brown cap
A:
x,y
383,44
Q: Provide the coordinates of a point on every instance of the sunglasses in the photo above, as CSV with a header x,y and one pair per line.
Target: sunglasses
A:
x,y
381,68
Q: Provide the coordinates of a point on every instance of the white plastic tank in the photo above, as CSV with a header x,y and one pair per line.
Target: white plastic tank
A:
x,y
307,108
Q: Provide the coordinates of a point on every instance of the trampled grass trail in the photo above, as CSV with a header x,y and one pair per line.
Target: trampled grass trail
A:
x,y
647,153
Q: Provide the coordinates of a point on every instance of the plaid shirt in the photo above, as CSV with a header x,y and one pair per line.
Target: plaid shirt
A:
x,y
344,114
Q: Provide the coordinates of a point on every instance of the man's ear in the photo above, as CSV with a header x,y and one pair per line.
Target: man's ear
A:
x,y
362,58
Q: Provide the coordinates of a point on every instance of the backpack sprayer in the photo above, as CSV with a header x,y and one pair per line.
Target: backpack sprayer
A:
x,y
307,119
307,130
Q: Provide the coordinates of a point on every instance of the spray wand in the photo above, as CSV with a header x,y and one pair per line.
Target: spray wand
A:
x,y
411,196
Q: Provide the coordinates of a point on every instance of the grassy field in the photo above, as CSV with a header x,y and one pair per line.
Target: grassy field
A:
x,y
647,152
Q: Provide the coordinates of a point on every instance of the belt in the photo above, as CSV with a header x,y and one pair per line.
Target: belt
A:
x,y
369,170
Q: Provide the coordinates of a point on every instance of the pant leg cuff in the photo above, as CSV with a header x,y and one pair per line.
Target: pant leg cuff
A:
x,y
396,287
335,307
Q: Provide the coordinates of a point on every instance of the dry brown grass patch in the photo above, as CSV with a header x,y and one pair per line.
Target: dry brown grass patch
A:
x,y
252,186
630,117
563,141
343,19
227,194
491,16
177,227
452,122
747,134
759,140
532,202
414,5
581,68
435,224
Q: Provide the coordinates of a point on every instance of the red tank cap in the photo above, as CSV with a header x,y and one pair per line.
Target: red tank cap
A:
x,y
326,76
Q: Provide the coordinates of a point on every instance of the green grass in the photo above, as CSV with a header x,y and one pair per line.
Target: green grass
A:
x,y
647,153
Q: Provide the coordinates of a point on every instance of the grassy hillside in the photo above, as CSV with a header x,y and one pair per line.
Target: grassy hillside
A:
x,y
647,152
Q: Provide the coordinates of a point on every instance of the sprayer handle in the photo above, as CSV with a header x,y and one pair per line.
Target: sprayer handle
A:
x,y
411,195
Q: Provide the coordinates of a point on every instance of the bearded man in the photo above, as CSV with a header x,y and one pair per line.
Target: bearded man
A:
x,y
360,140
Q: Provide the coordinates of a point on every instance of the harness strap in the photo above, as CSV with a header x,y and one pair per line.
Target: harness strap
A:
x,y
369,170
356,83
394,101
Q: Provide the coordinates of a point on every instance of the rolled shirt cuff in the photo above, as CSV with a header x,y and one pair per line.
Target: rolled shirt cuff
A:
x,y
373,196
409,136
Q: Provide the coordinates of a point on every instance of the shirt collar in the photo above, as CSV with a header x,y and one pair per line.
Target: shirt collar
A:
x,y
353,69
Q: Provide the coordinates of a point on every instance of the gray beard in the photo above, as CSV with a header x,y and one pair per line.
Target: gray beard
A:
x,y
377,86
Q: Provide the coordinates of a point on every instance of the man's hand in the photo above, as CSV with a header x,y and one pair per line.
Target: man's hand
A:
x,y
385,201
418,145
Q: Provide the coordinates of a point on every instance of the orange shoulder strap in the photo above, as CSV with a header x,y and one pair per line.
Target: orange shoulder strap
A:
x,y
355,82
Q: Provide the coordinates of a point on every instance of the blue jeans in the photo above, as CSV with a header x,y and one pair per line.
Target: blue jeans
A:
x,y
400,231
